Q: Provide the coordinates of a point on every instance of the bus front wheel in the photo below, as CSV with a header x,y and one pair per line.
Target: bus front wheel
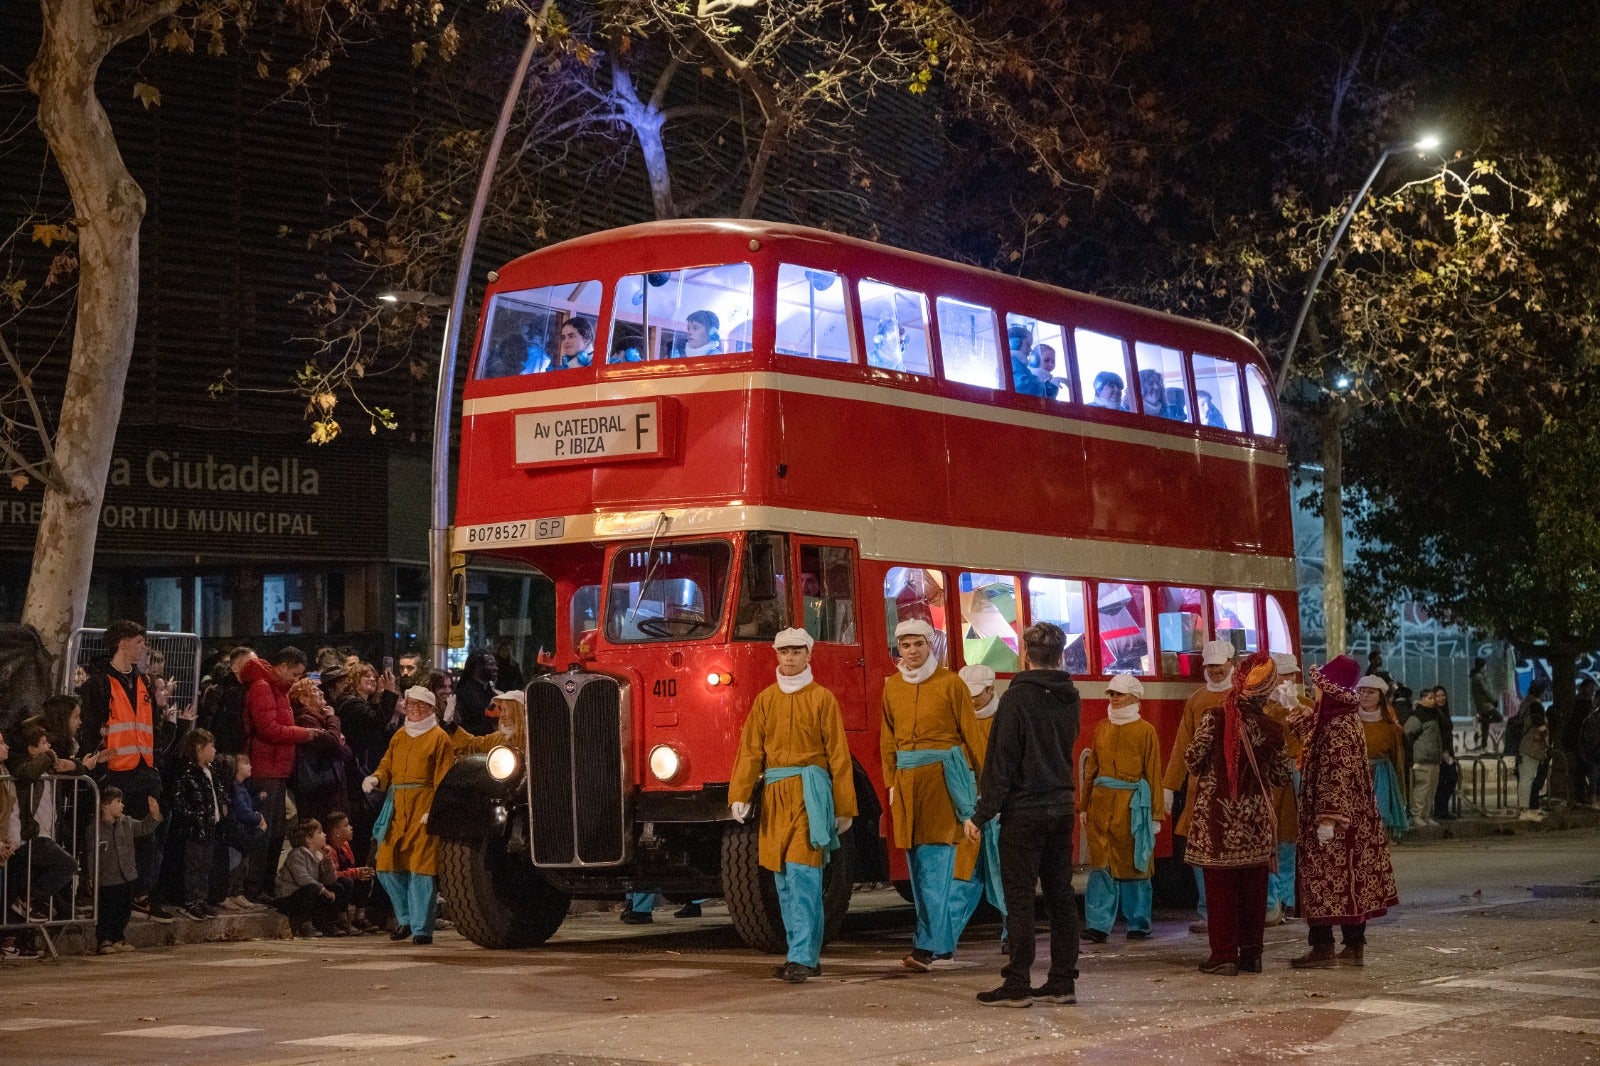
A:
x,y
752,894
496,898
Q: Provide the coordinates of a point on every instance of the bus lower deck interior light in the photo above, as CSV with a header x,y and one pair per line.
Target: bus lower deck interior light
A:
x,y
665,763
502,763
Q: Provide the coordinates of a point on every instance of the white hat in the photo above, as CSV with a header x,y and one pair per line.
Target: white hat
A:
x,y
914,627
793,638
1216,653
421,695
514,696
1370,681
978,677
1287,664
1126,684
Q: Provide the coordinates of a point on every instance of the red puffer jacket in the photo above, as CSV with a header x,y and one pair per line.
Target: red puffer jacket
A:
x,y
270,721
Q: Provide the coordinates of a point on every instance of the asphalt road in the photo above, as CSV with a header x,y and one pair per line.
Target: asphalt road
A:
x,y
1471,969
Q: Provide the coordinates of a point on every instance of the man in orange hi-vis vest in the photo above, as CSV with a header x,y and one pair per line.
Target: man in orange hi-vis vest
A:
x,y
120,714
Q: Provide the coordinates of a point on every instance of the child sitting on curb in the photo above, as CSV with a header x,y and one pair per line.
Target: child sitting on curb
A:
x,y
307,890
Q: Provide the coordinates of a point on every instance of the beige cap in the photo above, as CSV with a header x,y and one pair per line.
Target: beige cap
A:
x,y
1126,684
793,638
978,677
421,695
914,627
1216,653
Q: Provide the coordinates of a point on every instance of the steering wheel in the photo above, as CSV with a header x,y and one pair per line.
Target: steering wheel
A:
x,y
672,628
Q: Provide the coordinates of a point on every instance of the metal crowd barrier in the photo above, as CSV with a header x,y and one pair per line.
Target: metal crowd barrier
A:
x,y
72,822
174,655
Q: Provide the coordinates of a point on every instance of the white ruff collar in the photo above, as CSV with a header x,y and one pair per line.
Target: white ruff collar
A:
x,y
793,684
918,676
1370,716
1222,686
416,729
989,708
1123,715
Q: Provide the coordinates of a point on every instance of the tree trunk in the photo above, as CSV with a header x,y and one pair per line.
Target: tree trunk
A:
x,y
109,208
1331,428
771,138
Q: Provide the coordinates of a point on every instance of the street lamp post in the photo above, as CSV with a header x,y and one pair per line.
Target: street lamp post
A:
x,y
1330,427
444,400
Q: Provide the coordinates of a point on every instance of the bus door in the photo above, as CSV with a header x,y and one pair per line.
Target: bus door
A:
x,y
829,611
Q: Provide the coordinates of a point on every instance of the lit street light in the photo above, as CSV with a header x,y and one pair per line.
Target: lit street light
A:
x,y
1425,144
414,296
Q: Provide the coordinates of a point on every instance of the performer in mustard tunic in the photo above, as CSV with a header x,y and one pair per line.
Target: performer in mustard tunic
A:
x,y
978,864
795,738
1286,699
930,743
1386,753
1216,657
419,756
1121,814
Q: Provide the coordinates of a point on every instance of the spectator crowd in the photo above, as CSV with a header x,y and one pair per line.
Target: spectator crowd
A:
x,y
250,797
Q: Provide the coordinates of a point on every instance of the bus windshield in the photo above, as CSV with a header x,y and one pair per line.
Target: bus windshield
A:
x,y
669,592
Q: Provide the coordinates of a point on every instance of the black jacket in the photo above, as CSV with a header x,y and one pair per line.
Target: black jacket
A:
x,y
1029,764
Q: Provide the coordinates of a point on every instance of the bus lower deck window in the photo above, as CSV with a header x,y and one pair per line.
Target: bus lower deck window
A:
x,y
1061,600
1181,626
1235,614
911,592
990,635
1124,613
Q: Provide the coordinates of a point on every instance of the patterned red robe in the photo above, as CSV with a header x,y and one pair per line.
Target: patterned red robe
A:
x,y
1242,831
1349,879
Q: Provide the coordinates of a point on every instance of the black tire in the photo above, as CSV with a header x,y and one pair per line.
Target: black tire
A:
x,y
497,899
752,895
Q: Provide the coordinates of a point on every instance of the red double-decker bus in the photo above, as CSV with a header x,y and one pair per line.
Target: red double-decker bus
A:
x,y
703,432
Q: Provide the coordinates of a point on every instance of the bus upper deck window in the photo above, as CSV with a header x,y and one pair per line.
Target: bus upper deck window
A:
x,y
1235,614
895,325
811,315
1038,358
1262,421
682,314
1163,392
967,343
1102,370
1216,393
536,330
1124,611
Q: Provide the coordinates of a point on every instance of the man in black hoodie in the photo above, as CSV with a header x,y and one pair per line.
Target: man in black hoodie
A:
x,y
1028,782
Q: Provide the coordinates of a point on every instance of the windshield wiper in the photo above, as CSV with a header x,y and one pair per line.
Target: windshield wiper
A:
x,y
661,524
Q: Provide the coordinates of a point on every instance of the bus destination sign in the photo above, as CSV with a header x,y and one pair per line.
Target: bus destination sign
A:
x,y
596,433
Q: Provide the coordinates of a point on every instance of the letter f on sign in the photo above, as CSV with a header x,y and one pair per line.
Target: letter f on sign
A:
x,y
641,428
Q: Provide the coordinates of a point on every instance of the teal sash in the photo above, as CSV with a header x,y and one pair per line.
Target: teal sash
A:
x,y
380,828
959,781
1391,803
817,785
1144,833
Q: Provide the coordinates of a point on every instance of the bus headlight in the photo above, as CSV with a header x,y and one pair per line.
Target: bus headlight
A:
x,y
716,679
502,763
665,763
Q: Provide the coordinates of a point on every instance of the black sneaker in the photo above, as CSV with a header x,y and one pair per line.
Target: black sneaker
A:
x,y
796,973
1138,934
195,912
633,917
1092,936
422,939
157,913
920,960
400,933
944,956
1006,996
688,910
1048,993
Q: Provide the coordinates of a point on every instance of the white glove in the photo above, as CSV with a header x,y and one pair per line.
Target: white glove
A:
x,y
891,795
370,784
1325,831
1155,827
741,811
1286,694
424,817
1167,797
505,729
841,824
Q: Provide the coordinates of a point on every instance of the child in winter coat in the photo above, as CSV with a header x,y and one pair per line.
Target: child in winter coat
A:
x,y
241,833
308,893
199,801
119,872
